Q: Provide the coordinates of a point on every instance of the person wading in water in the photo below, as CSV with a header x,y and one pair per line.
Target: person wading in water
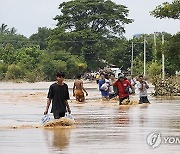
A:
x,y
122,85
142,87
59,95
78,89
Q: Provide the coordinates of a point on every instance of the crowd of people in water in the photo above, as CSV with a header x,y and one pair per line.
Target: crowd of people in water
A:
x,y
109,86
112,86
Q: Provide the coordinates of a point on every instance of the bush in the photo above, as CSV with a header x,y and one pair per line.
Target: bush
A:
x,y
169,87
138,66
31,77
14,72
3,70
154,69
51,67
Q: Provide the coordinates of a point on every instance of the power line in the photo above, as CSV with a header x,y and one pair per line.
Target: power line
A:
x,y
43,41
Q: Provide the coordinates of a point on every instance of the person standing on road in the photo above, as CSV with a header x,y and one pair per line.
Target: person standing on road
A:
x,y
142,87
59,95
78,89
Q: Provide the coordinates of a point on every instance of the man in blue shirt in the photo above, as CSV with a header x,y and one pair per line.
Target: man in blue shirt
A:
x,y
104,86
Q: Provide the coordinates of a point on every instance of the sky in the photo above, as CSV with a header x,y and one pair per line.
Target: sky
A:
x,y
27,15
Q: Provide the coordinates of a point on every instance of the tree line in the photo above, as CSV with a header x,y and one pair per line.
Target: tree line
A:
x,y
88,36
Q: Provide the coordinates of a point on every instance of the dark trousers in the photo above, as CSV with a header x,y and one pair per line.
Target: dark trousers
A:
x,y
58,115
143,99
121,99
112,95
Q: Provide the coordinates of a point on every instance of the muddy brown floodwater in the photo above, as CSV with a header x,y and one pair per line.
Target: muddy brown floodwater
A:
x,y
101,127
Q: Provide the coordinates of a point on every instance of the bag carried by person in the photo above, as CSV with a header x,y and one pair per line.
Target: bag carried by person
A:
x,y
45,119
105,86
128,90
69,116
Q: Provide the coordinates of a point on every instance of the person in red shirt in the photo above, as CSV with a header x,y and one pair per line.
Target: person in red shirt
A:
x,y
122,85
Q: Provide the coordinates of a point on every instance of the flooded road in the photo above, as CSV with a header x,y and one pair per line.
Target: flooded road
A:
x,y
102,127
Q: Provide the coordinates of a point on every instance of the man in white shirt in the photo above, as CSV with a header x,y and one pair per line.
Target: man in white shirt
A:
x,y
113,91
142,87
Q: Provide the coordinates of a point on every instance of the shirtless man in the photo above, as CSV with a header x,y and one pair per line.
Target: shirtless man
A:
x,y
78,89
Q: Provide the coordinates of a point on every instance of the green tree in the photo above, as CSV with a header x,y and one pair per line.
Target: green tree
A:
x,y
40,38
167,10
154,69
86,27
3,70
28,58
100,16
17,41
12,31
74,64
120,54
82,43
7,54
50,67
138,66
3,28
14,72
172,54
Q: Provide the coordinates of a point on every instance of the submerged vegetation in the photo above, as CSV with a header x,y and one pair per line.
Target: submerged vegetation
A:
x,y
168,87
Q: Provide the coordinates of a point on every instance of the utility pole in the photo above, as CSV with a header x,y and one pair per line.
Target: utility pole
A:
x,y
144,56
155,49
132,58
163,68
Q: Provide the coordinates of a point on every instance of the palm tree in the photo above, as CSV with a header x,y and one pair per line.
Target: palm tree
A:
x,y
3,28
12,31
